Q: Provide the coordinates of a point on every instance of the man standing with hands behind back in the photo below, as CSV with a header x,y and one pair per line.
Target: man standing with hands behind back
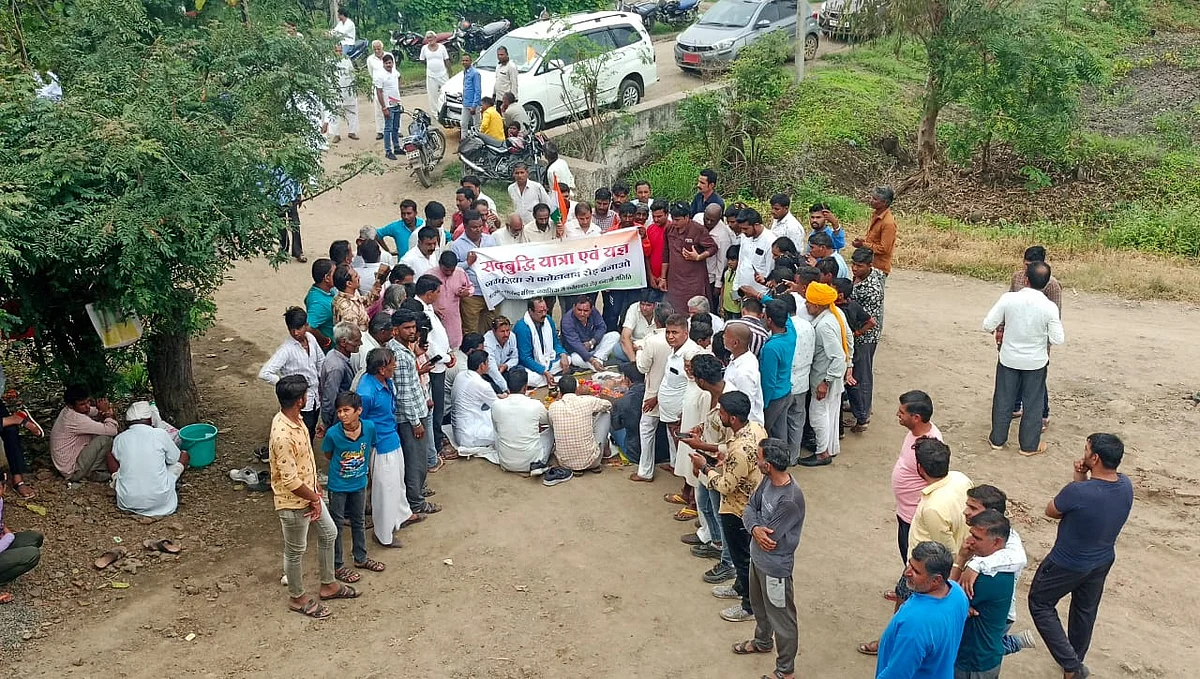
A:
x,y
472,94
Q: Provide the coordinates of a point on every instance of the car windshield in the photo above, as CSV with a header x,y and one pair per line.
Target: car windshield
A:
x,y
730,14
523,52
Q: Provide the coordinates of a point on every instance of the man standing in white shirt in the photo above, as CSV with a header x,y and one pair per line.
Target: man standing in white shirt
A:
x,y
582,226
437,69
797,413
742,373
423,258
440,358
301,355
387,97
524,439
662,364
375,70
785,224
348,112
756,261
1031,324
557,171
506,75
526,194
344,30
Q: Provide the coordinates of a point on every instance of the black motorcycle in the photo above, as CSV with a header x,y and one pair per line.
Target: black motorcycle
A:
x,y
470,37
678,12
494,159
409,43
647,10
425,146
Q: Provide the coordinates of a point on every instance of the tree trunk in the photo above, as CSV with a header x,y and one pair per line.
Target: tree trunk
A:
x,y
927,133
169,364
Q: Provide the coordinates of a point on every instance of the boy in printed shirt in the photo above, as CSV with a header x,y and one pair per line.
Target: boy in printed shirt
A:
x,y
347,446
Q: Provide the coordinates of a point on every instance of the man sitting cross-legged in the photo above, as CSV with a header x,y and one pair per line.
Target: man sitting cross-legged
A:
x,y
145,464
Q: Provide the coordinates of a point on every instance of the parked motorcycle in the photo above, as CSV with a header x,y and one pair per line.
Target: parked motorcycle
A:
x,y
425,146
678,12
647,10
473,38
408,43
493,159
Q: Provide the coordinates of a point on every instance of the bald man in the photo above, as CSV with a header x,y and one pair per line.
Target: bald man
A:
x,y
743,374
513,233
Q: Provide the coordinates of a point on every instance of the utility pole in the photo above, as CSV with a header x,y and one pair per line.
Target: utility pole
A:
x,y
803,11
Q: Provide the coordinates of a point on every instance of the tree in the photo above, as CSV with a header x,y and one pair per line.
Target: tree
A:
x,y
141,188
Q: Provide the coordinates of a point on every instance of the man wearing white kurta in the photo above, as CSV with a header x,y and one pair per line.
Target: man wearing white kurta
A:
x,y
524,439
828,373
538,347
471,399
662,363
347,115
437,69
375,70
149,464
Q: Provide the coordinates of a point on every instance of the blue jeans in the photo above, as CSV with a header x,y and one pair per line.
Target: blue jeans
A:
x,y
391,130
350,506
618,437
708,502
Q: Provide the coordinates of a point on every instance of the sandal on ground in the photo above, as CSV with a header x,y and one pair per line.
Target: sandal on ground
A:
x,y
429,508
5,597
869,648
164,546
312,609
675,499
437,467
666,467
428,492
31,424
346,575
750,647
1030,453
634,477
371,565
343,592
415,518
109,558
24,490
686,514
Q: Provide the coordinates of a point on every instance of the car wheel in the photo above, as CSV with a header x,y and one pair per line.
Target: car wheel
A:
x,y
811,42
630,93
537,120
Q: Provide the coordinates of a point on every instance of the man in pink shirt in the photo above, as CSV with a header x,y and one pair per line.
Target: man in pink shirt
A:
x,y
82,436
916,408
455,287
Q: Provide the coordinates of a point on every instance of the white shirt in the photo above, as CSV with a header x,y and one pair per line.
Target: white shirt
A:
x,y
1031,325
385,257
389,83
558,172
499,355
358,362
345,29
144,483
345,75
412,242
506,81
755,258
419,263
806,338
722,235
714,320
439,341
572,230
292,359
375,66
472,399
435,63
742,373
518,421
674,383
639,326
1010,559
523,202
790,227
536,235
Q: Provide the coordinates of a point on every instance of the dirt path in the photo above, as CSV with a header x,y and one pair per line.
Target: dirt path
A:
x,y
590,578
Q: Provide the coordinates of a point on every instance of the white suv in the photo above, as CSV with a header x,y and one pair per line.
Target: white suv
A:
x,y
545,59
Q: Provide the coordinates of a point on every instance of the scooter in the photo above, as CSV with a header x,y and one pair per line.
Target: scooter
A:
x,y
473,38
409,43
679,12
425,146
647,10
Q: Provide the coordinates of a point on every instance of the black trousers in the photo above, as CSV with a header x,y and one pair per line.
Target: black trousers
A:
x,y
311,417
437,385
13,450
292,216
1050,584
1030,387
861,395
738,541
902,529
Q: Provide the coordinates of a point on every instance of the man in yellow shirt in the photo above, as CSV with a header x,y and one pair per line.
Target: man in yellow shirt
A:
x,y
491,123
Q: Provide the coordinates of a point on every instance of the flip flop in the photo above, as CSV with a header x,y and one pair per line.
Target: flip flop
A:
x,y
635,477
865,649
110,557
371,565
751,647
22,485
164,546
27,419
5,597
245,475
312,609
415,518
1040,449
686,514
343,592
675,499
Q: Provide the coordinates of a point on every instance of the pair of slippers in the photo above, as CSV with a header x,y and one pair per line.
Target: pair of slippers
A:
x,y
118,554
254,479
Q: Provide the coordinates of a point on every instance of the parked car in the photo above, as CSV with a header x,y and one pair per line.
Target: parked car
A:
x,y
852,19
546,53
713,42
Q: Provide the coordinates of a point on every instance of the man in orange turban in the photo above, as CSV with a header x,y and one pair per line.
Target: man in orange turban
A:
x,y
827,375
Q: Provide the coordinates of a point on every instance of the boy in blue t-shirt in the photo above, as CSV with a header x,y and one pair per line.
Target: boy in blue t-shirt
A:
x,y
347,446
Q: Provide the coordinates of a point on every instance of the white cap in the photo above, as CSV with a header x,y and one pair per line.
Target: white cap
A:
x,y
430,34
139,411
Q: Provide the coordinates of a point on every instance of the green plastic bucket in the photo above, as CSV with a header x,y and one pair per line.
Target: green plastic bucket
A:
x,y
200,441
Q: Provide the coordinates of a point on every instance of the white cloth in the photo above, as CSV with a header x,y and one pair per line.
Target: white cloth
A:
x,y
487,199
348,113
755,258
742,373
696,404
506,81
149,460
823,415
723,236
292,359
1010,559
674,382
1031,325
543,352
558,172
345,30
439,341
389,505
472,399
523,202
358,362
790,227
608,342
389,83
419,263
652,362
523,434
435,62
806,337
572,230
374,68
433,87
536,235
537,380
412,242
637,324
500,354
648,432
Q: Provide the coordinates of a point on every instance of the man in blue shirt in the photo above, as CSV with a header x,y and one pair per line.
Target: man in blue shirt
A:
x,y
820,246
538,348
390,508
472,93
921,641
402,229
585,335
1091,510
706,192
820,219
775,365
476,317
319,303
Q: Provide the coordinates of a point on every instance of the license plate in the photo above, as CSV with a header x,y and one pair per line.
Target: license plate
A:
x,y
691,58
414,155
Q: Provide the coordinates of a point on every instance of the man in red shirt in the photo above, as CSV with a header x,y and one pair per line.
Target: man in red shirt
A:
x,y
655,243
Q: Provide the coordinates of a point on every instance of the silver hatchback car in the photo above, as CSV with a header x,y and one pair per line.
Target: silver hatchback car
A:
x,y
713,42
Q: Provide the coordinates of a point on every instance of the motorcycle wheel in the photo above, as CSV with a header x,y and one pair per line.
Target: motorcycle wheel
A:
x,y
648,22
436,143
423,174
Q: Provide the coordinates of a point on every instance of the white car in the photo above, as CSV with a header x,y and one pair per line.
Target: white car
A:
x,y
545,59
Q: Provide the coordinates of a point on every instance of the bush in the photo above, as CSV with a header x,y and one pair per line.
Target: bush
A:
x,y
672,176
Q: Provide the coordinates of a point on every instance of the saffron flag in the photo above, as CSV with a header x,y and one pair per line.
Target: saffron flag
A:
x,y
560,213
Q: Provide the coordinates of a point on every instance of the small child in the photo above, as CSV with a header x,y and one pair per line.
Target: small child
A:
x,y
347,446
730,309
